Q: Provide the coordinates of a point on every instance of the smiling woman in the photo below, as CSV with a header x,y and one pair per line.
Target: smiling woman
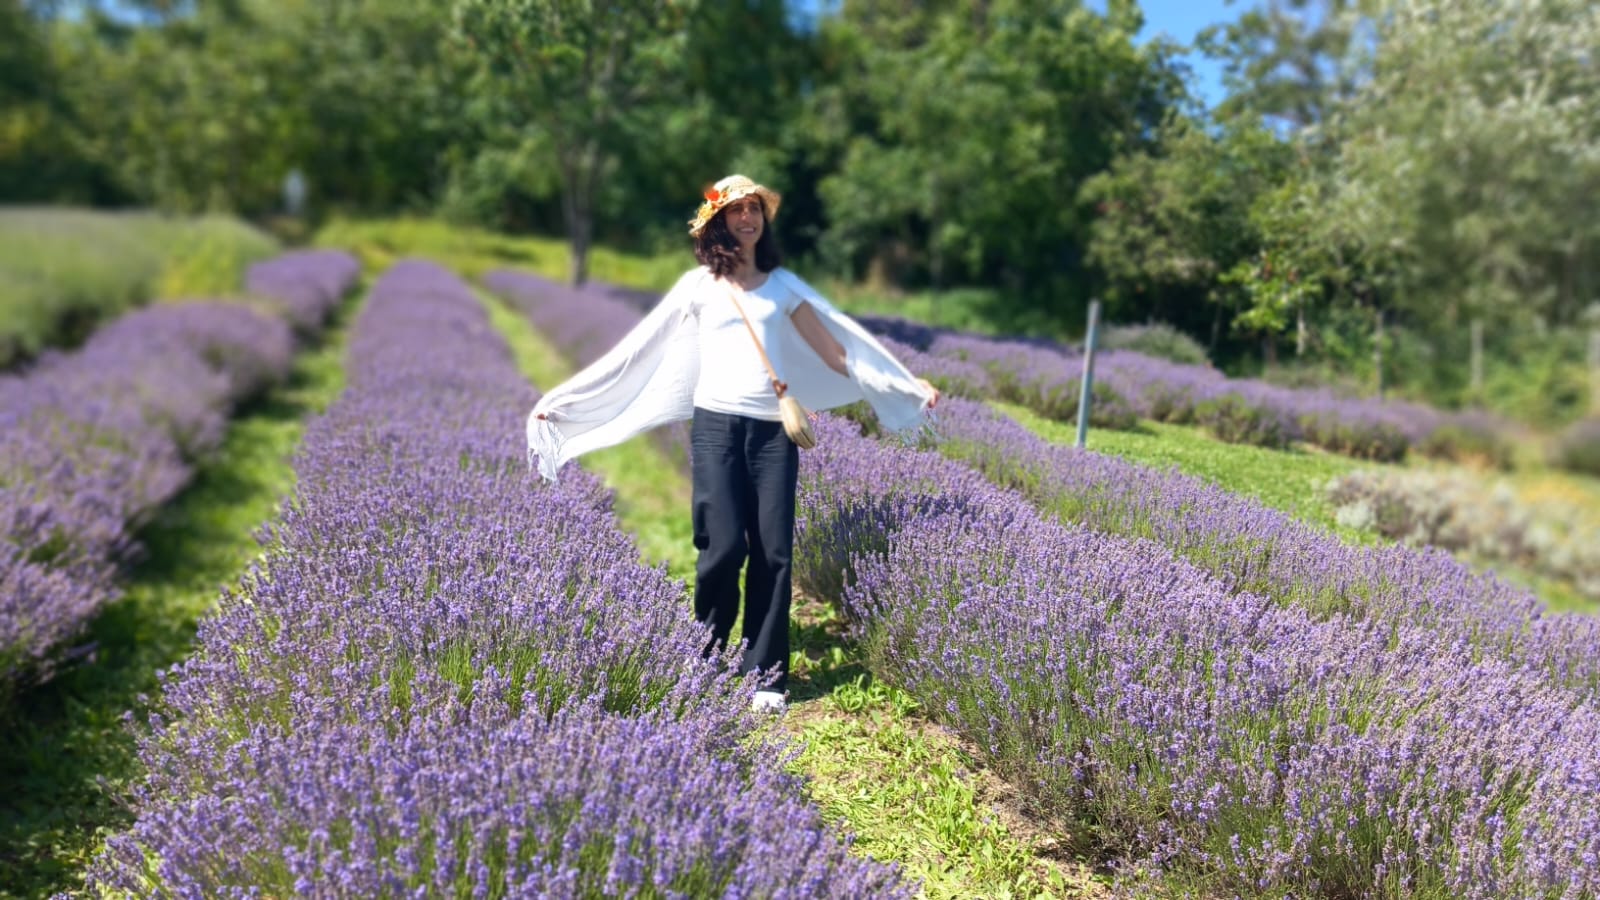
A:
x,y
725,348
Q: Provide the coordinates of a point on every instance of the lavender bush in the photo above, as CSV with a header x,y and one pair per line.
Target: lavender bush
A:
x,y
1196,727
584,322
97,439
1044,376
1458,512
304,285
1578,448
447,677
1254,549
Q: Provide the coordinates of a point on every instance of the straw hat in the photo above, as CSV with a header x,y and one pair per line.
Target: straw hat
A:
x,y
729,189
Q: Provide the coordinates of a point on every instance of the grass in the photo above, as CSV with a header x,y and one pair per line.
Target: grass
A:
x,y
908,789
474,251
65,750
64,271
1290,481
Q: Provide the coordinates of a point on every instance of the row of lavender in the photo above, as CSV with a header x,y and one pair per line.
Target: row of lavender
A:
x,y
1247,546
1131,385
97,439
584,322
1375,721
447,678
1192,726
1251,548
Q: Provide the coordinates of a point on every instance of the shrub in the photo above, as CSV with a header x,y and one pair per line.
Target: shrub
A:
x,y
1578,448
1238,420
64,271
1360,437
1156,339
1469,438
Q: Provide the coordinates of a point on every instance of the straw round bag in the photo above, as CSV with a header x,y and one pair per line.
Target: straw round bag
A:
x,y
796,421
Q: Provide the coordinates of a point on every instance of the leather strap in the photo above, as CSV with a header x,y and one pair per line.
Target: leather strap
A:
x,y
778,386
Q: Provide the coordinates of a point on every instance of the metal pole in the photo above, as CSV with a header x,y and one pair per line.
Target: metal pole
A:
x,y
1087,384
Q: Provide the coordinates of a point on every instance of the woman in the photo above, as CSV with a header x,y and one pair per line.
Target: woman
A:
x,y
693,357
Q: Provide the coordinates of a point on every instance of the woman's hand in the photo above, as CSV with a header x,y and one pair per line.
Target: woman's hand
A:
x,y
928,386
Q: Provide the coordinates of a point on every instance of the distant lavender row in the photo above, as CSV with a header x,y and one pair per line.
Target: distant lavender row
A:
x,y
1132,385
95,440
1252,548
583,323
447,678
305,284
1200,727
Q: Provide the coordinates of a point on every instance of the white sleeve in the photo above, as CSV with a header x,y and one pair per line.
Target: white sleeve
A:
x,y
875,374
646,380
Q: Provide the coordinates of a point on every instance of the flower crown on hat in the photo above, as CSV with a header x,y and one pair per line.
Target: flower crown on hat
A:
x,y
726,191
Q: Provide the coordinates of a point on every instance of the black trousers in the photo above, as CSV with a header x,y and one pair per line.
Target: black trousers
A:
x,y
745,471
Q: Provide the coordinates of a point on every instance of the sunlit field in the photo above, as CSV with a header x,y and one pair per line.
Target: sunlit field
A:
x,y
1251,549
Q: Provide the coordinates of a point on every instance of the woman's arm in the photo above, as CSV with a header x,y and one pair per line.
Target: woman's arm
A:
x,y
816,334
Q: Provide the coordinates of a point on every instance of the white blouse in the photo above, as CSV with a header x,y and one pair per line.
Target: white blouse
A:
x,y
652,376
733,379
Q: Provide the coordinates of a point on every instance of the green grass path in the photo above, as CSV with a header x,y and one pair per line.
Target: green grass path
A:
x,y
65,750
1290,481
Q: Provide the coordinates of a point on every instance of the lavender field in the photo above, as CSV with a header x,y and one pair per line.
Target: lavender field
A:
x,y
97,439
445,677
1293,666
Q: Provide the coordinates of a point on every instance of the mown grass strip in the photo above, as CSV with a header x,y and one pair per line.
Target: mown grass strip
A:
x,y
1294,482
902,786
65,750
1291,482
909,789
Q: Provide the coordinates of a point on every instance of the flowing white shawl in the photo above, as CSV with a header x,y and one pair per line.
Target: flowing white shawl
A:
x,y
648,379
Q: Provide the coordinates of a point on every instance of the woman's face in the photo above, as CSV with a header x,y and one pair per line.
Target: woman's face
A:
x,y
745,221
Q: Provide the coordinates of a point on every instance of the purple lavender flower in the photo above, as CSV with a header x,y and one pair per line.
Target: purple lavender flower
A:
x,y
97,439
1203,726
449,677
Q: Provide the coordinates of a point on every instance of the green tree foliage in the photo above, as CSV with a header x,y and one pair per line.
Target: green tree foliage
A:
x,y
1175,218
624,115
1288,61
210,108
41,140
956,136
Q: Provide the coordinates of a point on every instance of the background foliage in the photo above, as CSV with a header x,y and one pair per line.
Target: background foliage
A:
x,y
1382,175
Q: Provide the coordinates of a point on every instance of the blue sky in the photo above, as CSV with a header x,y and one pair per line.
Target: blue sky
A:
x,y
1181,20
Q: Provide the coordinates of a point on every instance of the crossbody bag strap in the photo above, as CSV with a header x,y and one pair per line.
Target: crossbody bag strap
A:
x,y
777,386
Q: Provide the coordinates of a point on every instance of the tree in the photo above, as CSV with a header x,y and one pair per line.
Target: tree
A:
x,y
577,80
1173,218
1288,61
210,109
958,134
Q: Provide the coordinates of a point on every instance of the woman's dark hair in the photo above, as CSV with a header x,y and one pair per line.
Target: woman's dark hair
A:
x,y
718,250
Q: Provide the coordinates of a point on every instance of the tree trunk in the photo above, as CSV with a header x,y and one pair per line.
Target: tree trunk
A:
x,y
1477,360
1377,351
1594,371
1269,351
1300,330
577,214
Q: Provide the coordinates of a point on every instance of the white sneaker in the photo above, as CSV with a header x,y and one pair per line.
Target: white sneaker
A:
x,y
768,701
